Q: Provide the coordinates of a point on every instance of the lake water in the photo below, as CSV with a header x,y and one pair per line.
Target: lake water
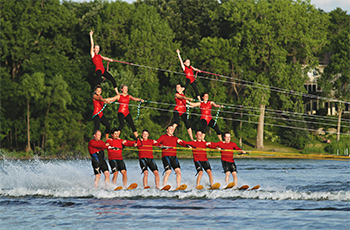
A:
x,y
59,194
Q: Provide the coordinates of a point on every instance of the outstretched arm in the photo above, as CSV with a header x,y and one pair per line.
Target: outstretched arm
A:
x,y
182,64
195,69
106,58
216,105
195,104
177,95
92,44
136,99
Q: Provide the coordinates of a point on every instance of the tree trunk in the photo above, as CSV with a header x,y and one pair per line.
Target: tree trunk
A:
x,y
28,128
340,110
260,135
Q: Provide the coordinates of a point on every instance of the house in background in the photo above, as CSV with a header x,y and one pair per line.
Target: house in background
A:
x,y
313,104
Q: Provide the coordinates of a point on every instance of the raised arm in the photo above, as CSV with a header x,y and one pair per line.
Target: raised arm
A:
x,y
136,99
92,44
182,64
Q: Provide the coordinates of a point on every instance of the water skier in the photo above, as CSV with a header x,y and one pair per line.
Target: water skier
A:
x,y
169,142
206,118
99,68
97,115
228,163
96,147
123,111
200,157
180,109
115,157
145,147
188,69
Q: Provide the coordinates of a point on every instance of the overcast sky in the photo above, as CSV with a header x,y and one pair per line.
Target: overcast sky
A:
x,y
326,5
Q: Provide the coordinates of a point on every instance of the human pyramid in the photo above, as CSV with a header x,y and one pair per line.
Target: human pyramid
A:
x,y
167,142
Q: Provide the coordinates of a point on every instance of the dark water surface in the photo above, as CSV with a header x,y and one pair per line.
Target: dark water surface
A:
x,y
294,194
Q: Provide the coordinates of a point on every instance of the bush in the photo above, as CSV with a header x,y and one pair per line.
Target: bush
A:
x,y
341,145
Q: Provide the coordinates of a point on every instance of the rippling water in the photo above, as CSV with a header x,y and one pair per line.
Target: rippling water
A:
x,y
294,194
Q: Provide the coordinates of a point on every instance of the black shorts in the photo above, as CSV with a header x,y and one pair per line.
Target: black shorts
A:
x,y
117,165
148,162
229,166
200,165
98,162
170,162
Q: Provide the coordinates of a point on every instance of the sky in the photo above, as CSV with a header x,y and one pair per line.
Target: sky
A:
x,y
326,5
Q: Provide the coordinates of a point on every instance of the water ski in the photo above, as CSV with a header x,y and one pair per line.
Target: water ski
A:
x,y
243,187
215,186
199,187
166,187
132,186
181,187
118,188
230,185
147,187
255,187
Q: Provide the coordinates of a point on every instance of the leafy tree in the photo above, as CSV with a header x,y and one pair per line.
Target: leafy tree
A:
x,y
274,37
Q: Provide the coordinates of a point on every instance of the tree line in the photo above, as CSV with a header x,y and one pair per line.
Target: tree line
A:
x,y
46,68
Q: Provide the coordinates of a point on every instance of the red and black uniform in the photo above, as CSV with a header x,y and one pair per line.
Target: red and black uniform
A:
x,y
200,154
190,79
228,163
98,156
98,116
169,151
146,154
100,71
206,118
180,111
115,155
123,112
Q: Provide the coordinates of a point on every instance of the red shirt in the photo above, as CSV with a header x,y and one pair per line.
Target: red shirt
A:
x,y
200,152
117,154
146,150
97,60
189,73
96,146
169,141
98,105
205,108
227,153
180,105
124,104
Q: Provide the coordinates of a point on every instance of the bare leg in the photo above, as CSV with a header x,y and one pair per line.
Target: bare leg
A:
x,y
156,177
220,137
178,176
116,90
136,134
227,177
166,177
199,177
114,179
199,98
107,136
235,179
106,173
125,178
174,125
189,130
145,178
97,179
211,179
203,136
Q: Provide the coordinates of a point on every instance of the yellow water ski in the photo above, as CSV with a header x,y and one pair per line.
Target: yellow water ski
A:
x,y
215,186
230,185
199,187
255,187
118,188
166,188
181,187
132,186
243,187
147,187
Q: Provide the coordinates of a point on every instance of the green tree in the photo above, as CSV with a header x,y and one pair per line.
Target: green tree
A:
x,y
274,38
